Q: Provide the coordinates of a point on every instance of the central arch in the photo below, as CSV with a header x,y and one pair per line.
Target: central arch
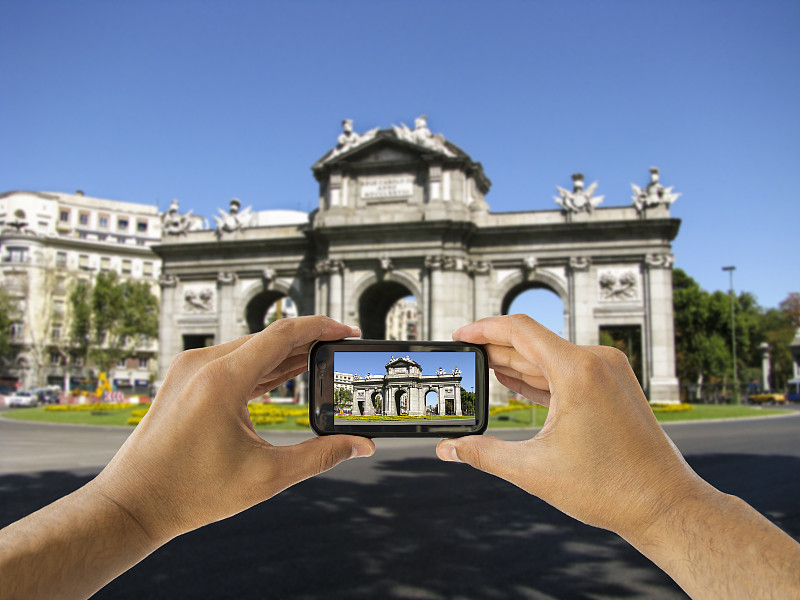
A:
x,y
374,304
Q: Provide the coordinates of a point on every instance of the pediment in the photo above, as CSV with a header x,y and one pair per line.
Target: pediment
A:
x,y
383,148
403,362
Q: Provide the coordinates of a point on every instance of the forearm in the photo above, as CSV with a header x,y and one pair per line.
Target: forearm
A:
x,y
717,546
70,549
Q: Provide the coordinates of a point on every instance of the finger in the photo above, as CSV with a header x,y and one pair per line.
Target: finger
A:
x,y
535,381
532,340
320,454
506,356
254,360
534,394
487,453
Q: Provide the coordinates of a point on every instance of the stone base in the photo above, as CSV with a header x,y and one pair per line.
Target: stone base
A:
x,y
664,390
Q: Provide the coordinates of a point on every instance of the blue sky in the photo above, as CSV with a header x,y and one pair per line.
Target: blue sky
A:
x,y
203,101
362,363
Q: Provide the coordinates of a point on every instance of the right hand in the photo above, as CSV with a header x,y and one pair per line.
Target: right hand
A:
x,y
601,456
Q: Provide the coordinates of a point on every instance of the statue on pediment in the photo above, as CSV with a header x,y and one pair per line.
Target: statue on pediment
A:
x,y
579,199
175,223
349,139
422,136
653,194
234,220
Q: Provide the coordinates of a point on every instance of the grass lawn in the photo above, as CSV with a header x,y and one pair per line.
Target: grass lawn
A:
x,y
516,418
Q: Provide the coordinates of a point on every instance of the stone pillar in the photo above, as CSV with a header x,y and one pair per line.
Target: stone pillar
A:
x,y
457,402
169,337
226,307
336,290
442,403
662,385
335,199
481,272
322,289
765,367
582,328
449,295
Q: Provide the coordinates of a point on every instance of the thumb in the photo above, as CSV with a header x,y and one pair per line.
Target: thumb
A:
x,y
484,452
320,454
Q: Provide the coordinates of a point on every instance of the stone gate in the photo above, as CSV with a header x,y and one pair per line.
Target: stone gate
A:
x,y
403,212
402,390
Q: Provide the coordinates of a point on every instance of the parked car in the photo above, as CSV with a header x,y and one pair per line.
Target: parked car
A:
x,y
768,398
23,399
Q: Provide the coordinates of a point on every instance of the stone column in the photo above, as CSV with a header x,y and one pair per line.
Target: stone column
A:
x,y
583,329
442,402
322,288
481,272
662,385
765,367
457,402
336,290
226,307
449,298
169,337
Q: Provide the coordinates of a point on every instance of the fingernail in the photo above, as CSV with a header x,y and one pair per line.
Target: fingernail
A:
x,y
355,331
449,453
361,450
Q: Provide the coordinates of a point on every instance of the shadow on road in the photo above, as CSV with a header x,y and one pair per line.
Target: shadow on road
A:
x,y
427,529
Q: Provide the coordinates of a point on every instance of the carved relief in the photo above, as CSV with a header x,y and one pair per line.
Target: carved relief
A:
x,y
529,264
175,223
479,267
580,263
664,261
328,266
268,276
225,278
198,300
385,263
618,285
349,139
167,280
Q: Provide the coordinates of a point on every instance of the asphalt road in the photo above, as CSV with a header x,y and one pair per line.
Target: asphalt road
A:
x,y
403,524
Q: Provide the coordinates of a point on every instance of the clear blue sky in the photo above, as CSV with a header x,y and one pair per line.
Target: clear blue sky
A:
x,y
361,363
203,101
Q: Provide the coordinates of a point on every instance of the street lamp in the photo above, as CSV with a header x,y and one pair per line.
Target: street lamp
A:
x,y
730,271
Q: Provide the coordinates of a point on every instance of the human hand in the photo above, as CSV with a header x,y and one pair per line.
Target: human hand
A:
x,y
195,458
601,456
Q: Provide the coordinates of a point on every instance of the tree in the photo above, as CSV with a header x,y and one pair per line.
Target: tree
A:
x,y
342,398
80,327
467,402
791,308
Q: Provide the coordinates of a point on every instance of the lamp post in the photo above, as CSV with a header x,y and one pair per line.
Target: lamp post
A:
x,y
730,271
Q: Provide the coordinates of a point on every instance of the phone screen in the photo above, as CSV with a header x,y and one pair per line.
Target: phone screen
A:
x,y
384,388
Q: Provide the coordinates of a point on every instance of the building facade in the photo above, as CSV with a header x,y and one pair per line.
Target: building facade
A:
x,y
48,241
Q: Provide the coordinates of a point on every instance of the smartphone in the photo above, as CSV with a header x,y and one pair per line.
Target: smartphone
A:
x,y
378,388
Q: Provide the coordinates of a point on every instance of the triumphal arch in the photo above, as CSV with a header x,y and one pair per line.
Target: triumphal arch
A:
x,y
401,390
403,212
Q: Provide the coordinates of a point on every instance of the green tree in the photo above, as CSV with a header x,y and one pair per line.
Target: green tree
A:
x,y
342,398
791,308
467,402
80,323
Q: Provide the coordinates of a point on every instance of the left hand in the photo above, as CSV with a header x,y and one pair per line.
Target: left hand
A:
x,y
195,458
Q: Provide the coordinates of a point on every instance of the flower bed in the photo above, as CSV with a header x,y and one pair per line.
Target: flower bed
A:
x,y
670,408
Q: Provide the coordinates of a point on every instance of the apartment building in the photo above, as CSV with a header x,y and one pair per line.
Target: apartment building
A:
x,y
48,241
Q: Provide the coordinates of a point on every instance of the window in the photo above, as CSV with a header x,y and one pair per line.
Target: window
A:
x,y
83,235
105,263
55,333
102,221
122,224
16,254
102,237
141,226
126,266
83,262
120,239
144,362
16,330
147,269
122,362
55,359
77,361
63,215
61,259
139,242
83,218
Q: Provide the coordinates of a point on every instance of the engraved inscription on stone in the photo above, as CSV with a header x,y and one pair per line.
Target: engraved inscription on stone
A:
x,y
399,186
